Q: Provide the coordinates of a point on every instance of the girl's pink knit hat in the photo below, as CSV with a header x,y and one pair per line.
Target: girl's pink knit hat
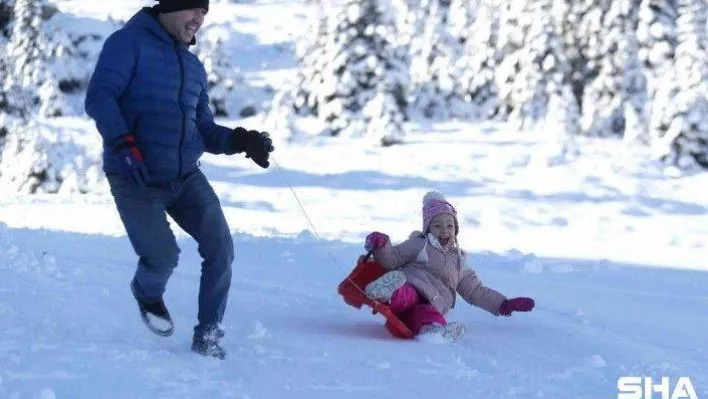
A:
x,y
434,204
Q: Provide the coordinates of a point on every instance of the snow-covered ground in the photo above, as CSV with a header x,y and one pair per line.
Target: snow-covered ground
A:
x,y
612,248
614,258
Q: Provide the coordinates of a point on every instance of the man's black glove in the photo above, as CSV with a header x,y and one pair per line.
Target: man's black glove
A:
x,y
256,145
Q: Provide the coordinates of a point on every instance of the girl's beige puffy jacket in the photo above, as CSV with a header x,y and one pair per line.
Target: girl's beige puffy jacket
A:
x,y
437,275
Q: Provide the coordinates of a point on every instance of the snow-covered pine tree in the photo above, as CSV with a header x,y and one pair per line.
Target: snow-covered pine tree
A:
x,y
467,44
383,112
563,115
634,92
218,68
310,51
5,19
6,7
15,101
559,126
359,64
23,54
478,62
70,69
26,165
434,54
685,141
603,112
540,68
12,106
603,102
38,159
15,104
435,45
27,53
407,19
656,32
295,98
582,32
462,15
70,60
658,39
510,40
6,118
23,164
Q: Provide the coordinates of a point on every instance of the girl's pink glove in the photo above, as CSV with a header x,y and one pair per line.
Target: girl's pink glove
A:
x,y
516,305
375,241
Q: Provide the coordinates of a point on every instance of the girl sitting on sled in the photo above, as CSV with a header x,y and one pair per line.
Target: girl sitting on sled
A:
x,y
427,270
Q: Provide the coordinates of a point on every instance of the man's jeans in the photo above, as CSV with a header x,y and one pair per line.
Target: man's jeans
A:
x,y
192,203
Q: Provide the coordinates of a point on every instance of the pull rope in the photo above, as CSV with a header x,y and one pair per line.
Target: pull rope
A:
x,y
303,212
312,226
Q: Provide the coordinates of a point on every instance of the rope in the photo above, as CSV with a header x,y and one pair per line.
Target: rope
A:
x,y
312,225
302,210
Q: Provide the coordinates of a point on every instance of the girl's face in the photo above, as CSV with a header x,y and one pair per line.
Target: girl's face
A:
x,y
443,228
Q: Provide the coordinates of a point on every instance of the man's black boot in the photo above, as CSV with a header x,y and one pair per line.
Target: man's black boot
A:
x,y
206,342
154,314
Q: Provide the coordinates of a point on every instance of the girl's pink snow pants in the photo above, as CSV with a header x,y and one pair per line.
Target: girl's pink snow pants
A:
x,y
413,309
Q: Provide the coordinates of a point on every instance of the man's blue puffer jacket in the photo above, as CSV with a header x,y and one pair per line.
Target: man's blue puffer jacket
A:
x,y
149,84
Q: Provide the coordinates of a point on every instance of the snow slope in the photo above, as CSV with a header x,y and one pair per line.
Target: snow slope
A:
x,y
612,248
566,235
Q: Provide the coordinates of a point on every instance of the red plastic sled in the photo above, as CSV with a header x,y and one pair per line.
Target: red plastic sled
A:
x,y
352,291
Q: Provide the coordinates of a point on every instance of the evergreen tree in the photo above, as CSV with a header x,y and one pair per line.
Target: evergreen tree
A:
x,y
540,69
434,54
658,39
24,159
583,35
619,75
685,141
8,108
634,92
6,7
219,70
25,163
463,14
300,98
37,159
27,54
360,75
407,17
559,126
479,60
70,60
510,41
467,43
563,115
310,52
24,51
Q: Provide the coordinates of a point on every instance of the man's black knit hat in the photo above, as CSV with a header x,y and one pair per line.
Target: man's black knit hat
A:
x,y
166,6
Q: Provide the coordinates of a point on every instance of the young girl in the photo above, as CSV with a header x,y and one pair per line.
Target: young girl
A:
x,y
427,270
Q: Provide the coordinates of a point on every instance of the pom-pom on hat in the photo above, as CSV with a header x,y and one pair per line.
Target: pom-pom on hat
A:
x,y
434,203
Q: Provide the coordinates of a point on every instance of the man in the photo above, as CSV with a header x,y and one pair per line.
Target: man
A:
x,y
148,97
